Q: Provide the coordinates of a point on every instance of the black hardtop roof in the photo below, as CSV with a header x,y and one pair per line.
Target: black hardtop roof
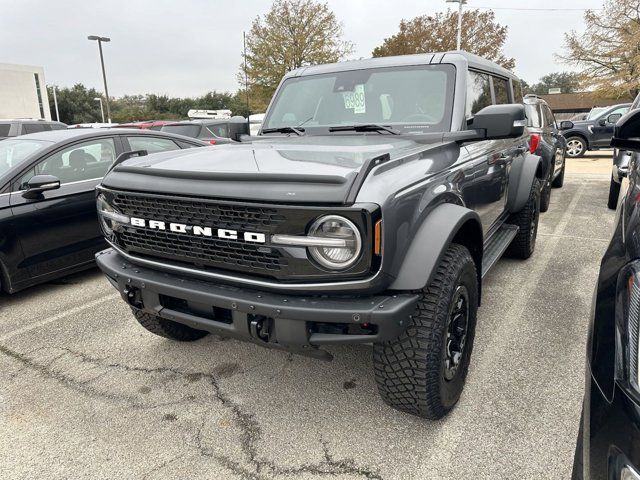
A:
x,y
456,57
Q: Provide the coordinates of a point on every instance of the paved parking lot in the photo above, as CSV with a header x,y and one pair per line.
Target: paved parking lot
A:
x,y
87,393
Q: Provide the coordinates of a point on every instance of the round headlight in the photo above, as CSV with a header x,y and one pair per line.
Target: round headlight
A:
x,y
334,227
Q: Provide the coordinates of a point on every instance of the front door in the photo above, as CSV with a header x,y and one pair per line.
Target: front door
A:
x,y
59,230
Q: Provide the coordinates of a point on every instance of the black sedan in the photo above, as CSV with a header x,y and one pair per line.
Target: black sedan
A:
x,y
48,221
608,444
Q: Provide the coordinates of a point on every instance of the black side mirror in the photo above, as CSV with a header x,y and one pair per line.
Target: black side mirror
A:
x,y
614,117
566,125
626,133
39,184
602,122
500,121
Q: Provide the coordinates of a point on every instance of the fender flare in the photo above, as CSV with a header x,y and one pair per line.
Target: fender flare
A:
x,y
447,223
523,173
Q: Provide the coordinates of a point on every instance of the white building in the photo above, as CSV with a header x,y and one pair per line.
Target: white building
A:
x,y
23,92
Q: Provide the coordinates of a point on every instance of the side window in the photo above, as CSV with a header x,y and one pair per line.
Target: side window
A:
x,y
550,119
33,127
534,118
478,92
219,130
57,126
621,110
185,144
501,90
82,161
152,144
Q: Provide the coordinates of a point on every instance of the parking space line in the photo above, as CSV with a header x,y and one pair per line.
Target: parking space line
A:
x,y
574,237
58,316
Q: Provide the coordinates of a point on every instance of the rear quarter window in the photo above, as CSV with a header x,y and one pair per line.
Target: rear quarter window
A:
x,y
501,90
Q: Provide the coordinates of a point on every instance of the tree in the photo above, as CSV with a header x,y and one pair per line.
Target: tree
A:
x,y
608,52
293,34
76,104
481,34
567,82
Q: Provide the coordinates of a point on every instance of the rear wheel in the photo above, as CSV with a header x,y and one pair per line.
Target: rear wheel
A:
x,y
167,328
576,147
614,193
423,371
524,242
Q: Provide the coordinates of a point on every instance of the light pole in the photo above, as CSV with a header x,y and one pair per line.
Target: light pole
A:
x,y
55,102
460,4
104,75
98,99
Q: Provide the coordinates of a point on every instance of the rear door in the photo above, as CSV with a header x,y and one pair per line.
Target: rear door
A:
x,y
59,230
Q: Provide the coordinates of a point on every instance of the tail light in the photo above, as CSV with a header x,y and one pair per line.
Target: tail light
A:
x,y
534,142
212,142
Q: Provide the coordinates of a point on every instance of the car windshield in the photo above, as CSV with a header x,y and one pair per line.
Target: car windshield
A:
x,y
411,99
13,152
595,111
188,130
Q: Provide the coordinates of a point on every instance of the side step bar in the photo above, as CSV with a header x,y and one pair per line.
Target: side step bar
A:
x,y
496,246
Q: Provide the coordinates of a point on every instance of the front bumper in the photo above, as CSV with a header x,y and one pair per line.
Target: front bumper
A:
x,y
292,322
611,437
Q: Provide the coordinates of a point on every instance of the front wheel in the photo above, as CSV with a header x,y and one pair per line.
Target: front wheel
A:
x,y
576,147
614,193
423,371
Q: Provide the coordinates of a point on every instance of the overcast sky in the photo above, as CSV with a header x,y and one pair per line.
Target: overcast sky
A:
x,y
189,47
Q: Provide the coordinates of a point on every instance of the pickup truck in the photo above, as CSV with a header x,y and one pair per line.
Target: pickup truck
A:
x,y
377,196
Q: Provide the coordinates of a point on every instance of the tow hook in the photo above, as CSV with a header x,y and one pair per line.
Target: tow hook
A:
x,y
133,296
261,327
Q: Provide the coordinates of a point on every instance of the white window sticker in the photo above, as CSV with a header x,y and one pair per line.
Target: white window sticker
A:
x,y
355,100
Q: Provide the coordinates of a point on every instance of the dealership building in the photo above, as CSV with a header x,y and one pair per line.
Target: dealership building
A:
x,y
23,92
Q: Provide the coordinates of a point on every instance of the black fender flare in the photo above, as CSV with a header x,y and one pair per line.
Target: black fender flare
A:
x,y
524,171
447,223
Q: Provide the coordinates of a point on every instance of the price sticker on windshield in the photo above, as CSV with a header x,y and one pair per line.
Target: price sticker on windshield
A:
x,y
355,100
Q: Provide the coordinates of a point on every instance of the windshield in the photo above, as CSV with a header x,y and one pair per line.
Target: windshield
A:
x,y
412,99
188,130
595,111
13,152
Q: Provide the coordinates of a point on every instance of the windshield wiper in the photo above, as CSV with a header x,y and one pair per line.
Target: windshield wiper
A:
x,y
365,127
297,131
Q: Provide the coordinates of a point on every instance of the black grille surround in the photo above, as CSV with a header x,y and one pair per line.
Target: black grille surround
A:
x,y
223,255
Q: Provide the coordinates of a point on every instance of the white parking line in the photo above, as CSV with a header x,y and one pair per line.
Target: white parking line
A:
x,y
57,317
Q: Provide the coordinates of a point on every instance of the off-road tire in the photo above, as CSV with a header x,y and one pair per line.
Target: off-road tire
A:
x,y
410,370
167,328
524,243
614,193
545,194
582,150
558,182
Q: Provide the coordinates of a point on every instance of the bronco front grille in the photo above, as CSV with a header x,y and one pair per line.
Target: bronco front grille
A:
x,y
215,253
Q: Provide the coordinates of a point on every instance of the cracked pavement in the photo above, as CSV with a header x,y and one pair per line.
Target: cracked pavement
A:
x,y
87,393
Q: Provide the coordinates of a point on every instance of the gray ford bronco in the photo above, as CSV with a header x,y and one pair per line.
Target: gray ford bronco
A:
x,y
368,209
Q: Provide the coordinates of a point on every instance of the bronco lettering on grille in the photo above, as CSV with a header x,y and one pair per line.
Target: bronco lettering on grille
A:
x,y
198,230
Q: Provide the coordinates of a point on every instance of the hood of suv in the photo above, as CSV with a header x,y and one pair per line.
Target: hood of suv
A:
x,y
317,169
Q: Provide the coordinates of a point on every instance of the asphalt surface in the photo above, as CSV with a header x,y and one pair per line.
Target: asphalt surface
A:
x,y
87,393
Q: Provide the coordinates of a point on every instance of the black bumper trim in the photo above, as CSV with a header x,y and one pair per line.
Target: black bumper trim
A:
x,y
291,314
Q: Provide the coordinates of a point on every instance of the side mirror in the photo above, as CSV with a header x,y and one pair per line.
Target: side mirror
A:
x,y
500,121
566,125
39,184
626,133
602,122
614,117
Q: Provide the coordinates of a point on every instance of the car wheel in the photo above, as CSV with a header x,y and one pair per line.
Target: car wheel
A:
x,y
545,194
423,371
524,243
576,147
559,180
614,193
167,328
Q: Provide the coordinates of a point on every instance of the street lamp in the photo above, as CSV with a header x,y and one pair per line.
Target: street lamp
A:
x,y
460,4
98,99
104,75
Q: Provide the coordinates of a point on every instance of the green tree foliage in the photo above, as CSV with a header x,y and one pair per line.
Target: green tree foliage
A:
x,y
77,105
481,34
608,52
567,82
294,33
